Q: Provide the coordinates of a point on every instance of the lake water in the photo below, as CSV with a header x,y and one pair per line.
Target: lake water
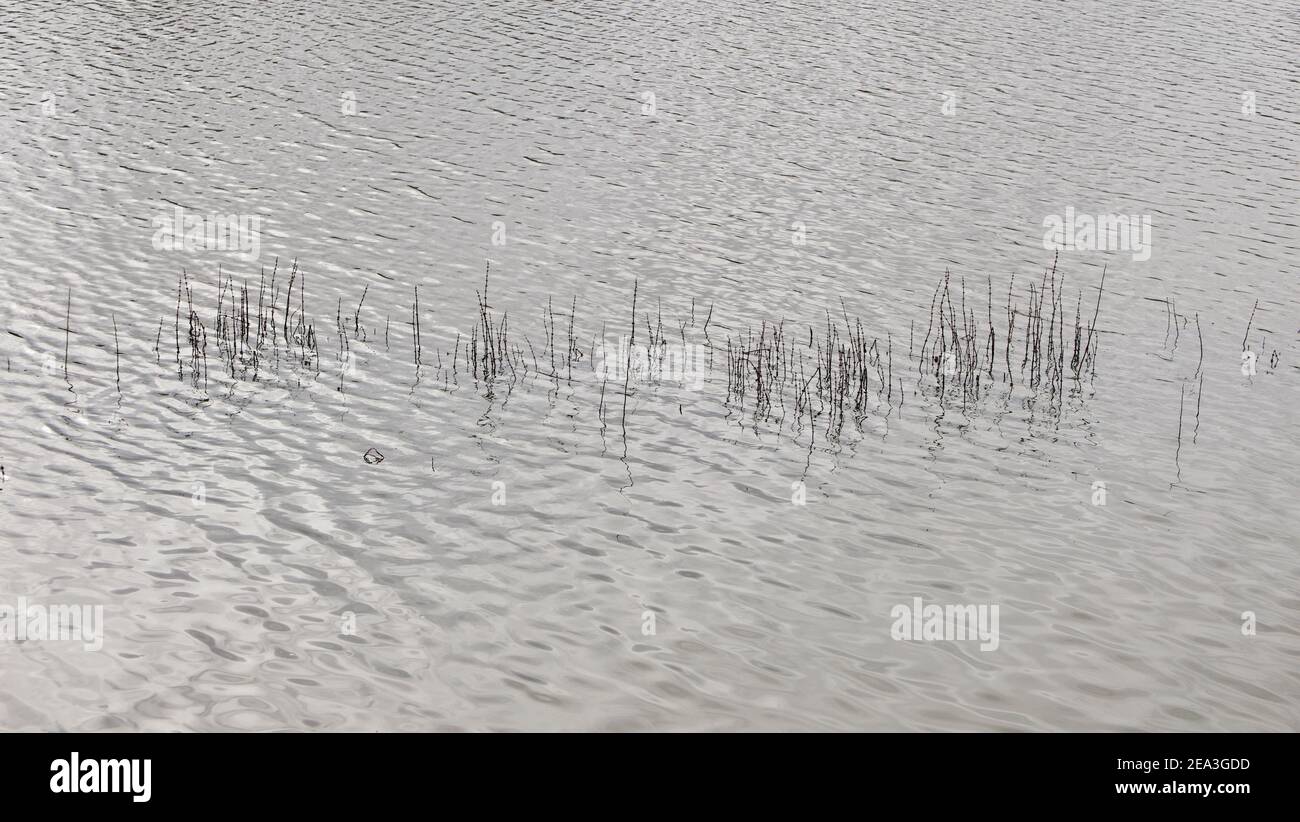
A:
x,y
532,556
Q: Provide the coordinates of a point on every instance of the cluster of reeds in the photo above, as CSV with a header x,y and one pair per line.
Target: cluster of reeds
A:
x,y
834,373
196,335
838,375
249,336
490,352
960,354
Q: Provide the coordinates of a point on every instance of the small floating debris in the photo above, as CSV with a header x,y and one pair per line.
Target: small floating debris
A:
x,y
373,457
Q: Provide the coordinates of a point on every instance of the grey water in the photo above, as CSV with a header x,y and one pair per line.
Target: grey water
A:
x,y
537,556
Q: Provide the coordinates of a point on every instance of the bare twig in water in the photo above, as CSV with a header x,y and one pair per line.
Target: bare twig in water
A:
x,y
117,354
1200,385
1200,358
627,369
1246,336
67,333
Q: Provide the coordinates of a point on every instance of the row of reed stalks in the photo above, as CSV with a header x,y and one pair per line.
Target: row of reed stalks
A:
x,y
832,372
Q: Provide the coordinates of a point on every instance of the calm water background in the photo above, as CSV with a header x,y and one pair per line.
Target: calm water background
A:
x,y
226,615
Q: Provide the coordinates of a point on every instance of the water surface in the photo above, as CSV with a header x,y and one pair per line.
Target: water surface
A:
x,y
499,564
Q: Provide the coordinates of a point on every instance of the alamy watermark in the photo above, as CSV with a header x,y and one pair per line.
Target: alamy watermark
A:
x,y
682,363
951,623
179,231
1104,232
77,775
33,622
